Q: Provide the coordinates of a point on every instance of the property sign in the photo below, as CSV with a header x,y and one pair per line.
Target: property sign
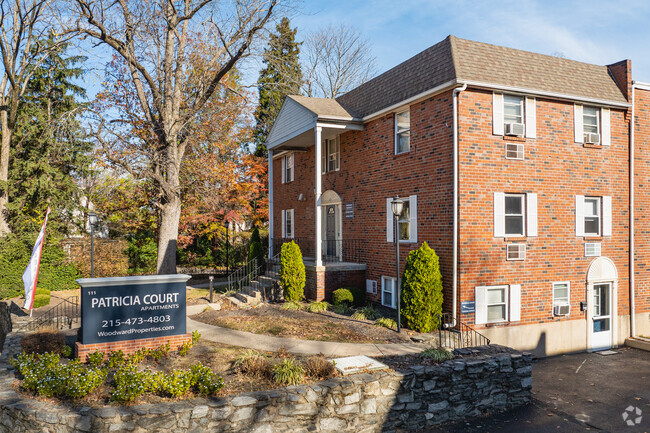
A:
x,y
467,307
349,210
130,308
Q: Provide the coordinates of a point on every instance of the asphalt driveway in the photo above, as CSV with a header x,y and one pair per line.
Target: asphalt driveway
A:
x,y
577,393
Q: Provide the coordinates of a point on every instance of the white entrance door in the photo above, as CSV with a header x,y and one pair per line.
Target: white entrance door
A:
x,y
601,327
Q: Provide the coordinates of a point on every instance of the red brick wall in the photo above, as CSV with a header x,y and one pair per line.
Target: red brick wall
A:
x,y
556,169
371,172
130,346
642,200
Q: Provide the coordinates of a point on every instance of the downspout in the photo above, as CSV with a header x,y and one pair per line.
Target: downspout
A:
x,y
632,318
455,234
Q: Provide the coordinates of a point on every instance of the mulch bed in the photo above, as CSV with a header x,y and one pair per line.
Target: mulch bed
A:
x,y
272,319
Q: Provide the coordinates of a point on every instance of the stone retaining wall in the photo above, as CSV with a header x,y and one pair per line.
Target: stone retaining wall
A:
x,y
483,380
5,321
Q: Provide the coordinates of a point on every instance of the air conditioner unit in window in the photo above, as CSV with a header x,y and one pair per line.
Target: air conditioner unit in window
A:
x,y
561,310
591,138
516,129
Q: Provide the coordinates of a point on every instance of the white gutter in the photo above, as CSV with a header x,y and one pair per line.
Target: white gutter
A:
x,y
455,252
632,254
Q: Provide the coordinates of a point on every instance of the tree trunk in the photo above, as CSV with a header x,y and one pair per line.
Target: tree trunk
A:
x,y
4,171
168,235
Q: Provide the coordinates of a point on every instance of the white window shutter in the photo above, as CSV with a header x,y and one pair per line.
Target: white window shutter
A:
x,y
284,223
580,215
497,113
531,118
284,169
293,224
515,302
607,216
578,123
292,163
499,215
413,203
389,221
531,214
480,305
605,127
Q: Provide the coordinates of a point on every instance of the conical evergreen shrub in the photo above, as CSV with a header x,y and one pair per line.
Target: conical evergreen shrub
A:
x,y
421,291
292,272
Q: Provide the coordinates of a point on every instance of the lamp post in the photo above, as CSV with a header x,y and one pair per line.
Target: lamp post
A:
x,y
92,220
397,206
227,224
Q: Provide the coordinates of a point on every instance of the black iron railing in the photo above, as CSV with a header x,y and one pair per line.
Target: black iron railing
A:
x,y
332,251
454,334
240,278
60,316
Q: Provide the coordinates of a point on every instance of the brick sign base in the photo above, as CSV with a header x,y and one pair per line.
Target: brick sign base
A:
x,y
130,346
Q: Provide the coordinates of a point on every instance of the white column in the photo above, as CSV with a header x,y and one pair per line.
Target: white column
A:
x,y
317,192
270,175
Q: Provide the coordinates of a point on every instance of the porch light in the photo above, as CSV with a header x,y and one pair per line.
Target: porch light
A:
x,y
397,206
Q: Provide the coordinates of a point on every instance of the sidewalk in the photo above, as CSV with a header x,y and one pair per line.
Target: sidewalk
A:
x,y
272,344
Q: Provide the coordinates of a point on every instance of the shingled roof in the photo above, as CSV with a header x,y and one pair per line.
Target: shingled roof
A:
x,y
477,62
323,107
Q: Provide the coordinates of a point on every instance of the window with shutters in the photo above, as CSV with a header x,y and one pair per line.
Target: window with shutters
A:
x,y
388,291
287,168
513,109
514,115
331,155
592,216
592,125
287,223
406,222
514,214
495,304
402,132
590,120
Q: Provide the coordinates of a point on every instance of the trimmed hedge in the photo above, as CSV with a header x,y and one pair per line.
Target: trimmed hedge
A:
x,y
41,300
421,301
292,272
342,296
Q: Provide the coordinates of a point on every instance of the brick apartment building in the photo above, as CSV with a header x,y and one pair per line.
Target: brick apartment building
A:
x,y
514,166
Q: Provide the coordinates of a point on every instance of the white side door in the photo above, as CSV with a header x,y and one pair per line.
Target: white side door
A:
x,y
601,316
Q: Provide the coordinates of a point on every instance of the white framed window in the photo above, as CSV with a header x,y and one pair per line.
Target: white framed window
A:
x,y
407,222
513,109
515,151
388,291
288,223
287,168
494,304
593,216
515,215
514,115
592,124
592,249
561,294
516,252
331,155
402,132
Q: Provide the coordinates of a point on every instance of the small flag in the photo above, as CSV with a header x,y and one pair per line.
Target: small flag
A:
x,y
31,273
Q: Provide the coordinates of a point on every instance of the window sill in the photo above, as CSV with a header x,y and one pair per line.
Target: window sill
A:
x,y
592,238
593,146
514,138
403,153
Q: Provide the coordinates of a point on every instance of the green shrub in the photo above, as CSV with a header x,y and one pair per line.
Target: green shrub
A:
x,y
142,253
66,352
421,292
160,352
204,380
288,372
196,336
41,300
177,383
184,348
292,272
366,313
317,307
137,357
116,359
54,272
437,355
339,309
358,296
130,383
95,359
340,296
292,305
42,291
386,323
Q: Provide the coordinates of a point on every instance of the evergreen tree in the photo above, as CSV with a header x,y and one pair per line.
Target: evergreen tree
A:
x,y
49,149
282,76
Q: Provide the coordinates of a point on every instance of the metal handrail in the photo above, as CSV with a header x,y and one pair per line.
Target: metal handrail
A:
x,y
454,334
67,310
243,275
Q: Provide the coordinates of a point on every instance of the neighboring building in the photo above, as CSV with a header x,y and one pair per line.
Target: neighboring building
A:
x,y
515,168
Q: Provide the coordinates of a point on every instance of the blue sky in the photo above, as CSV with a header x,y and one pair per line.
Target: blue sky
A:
x,y
600,32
